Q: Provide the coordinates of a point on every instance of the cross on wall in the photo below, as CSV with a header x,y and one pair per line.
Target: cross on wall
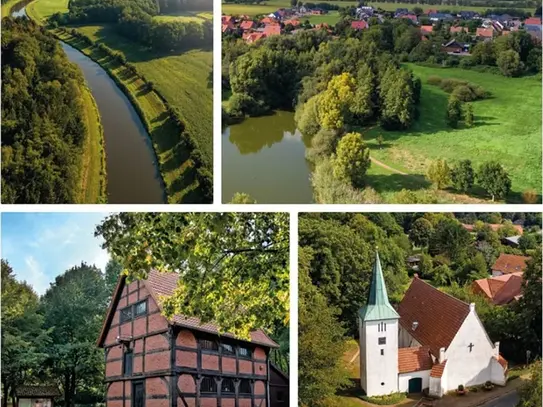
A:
x,y
470,346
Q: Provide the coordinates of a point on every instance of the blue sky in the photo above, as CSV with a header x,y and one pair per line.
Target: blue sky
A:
x,y
40,246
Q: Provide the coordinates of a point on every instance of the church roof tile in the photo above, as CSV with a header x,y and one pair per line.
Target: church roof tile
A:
x,y
437,370
414,359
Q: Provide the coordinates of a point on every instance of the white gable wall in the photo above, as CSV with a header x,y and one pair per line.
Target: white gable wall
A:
x,y
406,340
379,373
465,367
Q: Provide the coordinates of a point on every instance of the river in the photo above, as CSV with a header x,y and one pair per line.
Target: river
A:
x,y
265,158
132,171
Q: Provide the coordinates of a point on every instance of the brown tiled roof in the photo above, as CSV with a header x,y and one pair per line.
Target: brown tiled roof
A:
x,y
164,284
510,263
532,21
426,28
437,370
414,359
484,32
439,315
501,289
502,361
37,391
247,25
272,29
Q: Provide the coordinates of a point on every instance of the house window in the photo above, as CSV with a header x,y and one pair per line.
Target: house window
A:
x,y
227,349
208,345
382,352
140,308
126,314
244,387
382,341
138,394
227,386
244,353
208,385
127,362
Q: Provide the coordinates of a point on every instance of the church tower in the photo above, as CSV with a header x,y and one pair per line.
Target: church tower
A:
x,y
378,325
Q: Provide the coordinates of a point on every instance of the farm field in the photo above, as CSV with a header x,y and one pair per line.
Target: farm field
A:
x,y
507,129
40,10
331,18
272,5
196,16
183,79
6,7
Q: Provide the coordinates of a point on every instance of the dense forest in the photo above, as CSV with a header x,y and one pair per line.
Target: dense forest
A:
x,y
43,126
336,253
134,20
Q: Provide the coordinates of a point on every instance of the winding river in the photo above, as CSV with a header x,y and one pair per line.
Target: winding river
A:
x,y
132,170
265,158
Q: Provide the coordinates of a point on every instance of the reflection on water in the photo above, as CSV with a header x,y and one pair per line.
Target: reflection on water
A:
x,y
265,157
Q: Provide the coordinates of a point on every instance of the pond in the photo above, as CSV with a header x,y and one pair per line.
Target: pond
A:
x,y
265,158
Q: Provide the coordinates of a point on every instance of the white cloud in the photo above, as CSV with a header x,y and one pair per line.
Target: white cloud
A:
x,y
34,275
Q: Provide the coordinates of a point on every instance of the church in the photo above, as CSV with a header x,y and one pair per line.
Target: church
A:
x,y
431,341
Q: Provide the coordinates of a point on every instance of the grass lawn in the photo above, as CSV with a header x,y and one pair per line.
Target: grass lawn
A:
x,y
183,79
507,129
93,169
331,18
186,16
175,165
40,10
394,6
6,7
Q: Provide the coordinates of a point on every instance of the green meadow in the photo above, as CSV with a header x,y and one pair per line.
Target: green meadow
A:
x,y
196,16
331,18
41,10
507,129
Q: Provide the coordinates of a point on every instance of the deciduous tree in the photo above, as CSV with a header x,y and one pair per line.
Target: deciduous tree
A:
x,y
439,174
493,178
462,175
352,160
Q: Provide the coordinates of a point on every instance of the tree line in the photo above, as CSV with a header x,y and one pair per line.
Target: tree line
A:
x,y
43,119
336,254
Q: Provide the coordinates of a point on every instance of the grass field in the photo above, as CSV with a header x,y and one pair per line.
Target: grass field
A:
x,y
40,10
196,16
272,5
93,169
331,18
175,165
6,7
507,129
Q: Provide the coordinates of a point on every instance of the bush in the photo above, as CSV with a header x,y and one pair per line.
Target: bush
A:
x,y
529,196
434,80
393,398
461,387
463,93
513,376
449,84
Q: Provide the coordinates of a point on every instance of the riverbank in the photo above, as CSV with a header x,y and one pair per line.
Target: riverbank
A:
x,y
41,10
177,168
6,7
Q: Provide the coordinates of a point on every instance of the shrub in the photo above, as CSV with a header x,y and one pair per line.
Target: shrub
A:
x,y
448,84
392,398
434,80
461,387
529,196
454,111
463,93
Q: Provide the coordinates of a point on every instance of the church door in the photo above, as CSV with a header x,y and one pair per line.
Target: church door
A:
x,y
415,385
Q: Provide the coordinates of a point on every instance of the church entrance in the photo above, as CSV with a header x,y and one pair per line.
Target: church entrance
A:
x,y
415,385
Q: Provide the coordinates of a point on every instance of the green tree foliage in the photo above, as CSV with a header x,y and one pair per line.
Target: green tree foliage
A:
x,y
442,275
242,198
397,99
530,392
454,111
527,242
334,103
233,267
320,340
439,174
352,160
362,106
509,63
494,179
450,239
420,232
307,117
469,118
43,122
462,176
426,266
79,295
23,338
112,275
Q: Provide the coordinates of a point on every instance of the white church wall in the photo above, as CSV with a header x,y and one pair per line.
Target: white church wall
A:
x,y
403,379
465,367
498,375
380,361
406,340
437,386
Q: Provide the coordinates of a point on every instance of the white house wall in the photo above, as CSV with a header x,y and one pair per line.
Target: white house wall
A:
x,y
403,379
497,373
465,367
379,373
406,340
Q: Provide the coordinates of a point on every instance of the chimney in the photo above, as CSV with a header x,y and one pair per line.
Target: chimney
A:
x,y
414,325
472,307
496,349
441,355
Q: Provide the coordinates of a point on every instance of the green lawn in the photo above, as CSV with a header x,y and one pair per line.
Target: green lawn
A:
x,y
331,18
507,129
183,79
394,6
40,10
6,7
176,167
187,16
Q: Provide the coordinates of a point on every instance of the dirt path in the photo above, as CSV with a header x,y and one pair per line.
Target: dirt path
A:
x,y
381,164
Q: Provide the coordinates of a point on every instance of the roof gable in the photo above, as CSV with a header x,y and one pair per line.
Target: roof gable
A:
x,y
438,314
510,263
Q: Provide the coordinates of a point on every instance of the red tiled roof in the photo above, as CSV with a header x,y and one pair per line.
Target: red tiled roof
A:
x,y
269,20
502,361
253,37
247,25
501,289
510,263
439,315
226,19
411,17
458,29
414,359
437,370
484,32
359,25
426,28
532,21
294,22
272,30
164,284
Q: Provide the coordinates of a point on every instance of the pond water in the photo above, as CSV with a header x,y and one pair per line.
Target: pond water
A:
x,y
265,158
132,170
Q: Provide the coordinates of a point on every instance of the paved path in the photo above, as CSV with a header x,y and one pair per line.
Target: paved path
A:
x,y
381,164
509,400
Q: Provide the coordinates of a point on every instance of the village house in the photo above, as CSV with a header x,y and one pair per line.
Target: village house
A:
x,y
500,290
247,25
426,29
359,25
155,362
272,29
432,341
36,396
253,37
484,34
509,263
440,17
410,16
458,29
455,47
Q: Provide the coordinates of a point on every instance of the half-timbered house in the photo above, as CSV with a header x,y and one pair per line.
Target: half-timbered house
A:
x,y
155,362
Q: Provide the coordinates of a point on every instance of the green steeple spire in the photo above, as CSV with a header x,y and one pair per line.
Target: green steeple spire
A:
x,y
377,306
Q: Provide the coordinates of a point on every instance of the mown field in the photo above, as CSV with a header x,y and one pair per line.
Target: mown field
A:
x,y
272,5
40,10
331,18
507,129
196,16
6,7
